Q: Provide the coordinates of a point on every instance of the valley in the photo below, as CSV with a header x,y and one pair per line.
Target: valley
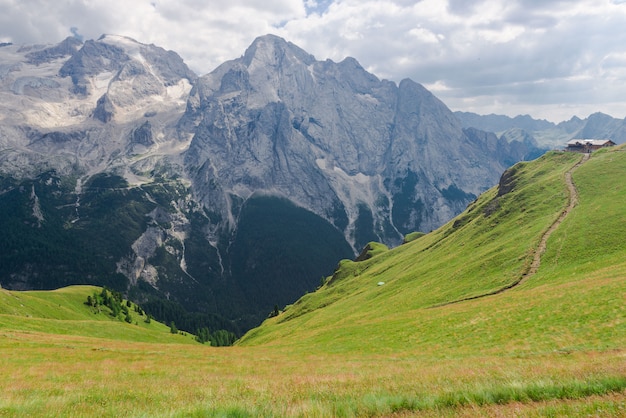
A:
x,y
380,336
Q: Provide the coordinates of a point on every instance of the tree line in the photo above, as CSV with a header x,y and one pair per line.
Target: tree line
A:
x,y
194,323
206,327
115,302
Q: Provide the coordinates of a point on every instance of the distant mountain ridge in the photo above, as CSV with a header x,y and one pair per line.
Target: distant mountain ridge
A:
x,y
228,193
500,123
549,134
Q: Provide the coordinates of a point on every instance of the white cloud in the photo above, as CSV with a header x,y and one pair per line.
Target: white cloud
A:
x,y
516,56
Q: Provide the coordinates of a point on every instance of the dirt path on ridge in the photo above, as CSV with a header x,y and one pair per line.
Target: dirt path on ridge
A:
x,y
541,248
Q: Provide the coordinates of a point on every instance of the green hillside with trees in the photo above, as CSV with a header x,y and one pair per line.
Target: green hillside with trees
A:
x,y
87,311
476,318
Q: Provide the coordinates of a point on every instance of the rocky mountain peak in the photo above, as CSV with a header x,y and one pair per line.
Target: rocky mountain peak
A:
x,y
66,48
125,58
419,103
601,125
92,95
333,138
274,51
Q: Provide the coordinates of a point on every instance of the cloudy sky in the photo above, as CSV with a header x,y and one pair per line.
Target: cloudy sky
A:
x,y
551,59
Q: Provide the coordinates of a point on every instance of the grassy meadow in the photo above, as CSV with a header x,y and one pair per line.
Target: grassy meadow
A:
x,y
385,336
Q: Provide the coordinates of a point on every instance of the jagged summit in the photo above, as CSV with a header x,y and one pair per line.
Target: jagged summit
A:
x,y
69,90
333,138
67,47
273,50
124,58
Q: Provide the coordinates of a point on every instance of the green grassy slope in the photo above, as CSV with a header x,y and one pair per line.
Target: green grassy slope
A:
x,y
379,338
575,301
591,240
63,311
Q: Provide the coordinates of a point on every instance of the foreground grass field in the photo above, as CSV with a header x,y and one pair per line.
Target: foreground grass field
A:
x,y
379,338
45,375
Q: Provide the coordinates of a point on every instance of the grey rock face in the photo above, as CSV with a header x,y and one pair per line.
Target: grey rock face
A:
x,y
143,135
99,94
104,109
599,125
334,139
92,59
66,48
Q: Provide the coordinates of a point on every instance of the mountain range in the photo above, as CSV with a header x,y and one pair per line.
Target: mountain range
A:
x,y
547,134
224,195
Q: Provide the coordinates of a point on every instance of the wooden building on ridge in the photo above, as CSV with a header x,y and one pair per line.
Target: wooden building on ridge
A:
x,y
588,145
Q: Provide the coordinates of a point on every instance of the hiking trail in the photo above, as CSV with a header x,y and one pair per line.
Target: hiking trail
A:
x,y
541,248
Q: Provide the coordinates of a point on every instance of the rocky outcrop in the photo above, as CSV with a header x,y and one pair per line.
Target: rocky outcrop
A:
x,y
104,110
66,48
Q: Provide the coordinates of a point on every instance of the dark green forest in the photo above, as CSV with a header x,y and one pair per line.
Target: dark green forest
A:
x,y
82,243
53,237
